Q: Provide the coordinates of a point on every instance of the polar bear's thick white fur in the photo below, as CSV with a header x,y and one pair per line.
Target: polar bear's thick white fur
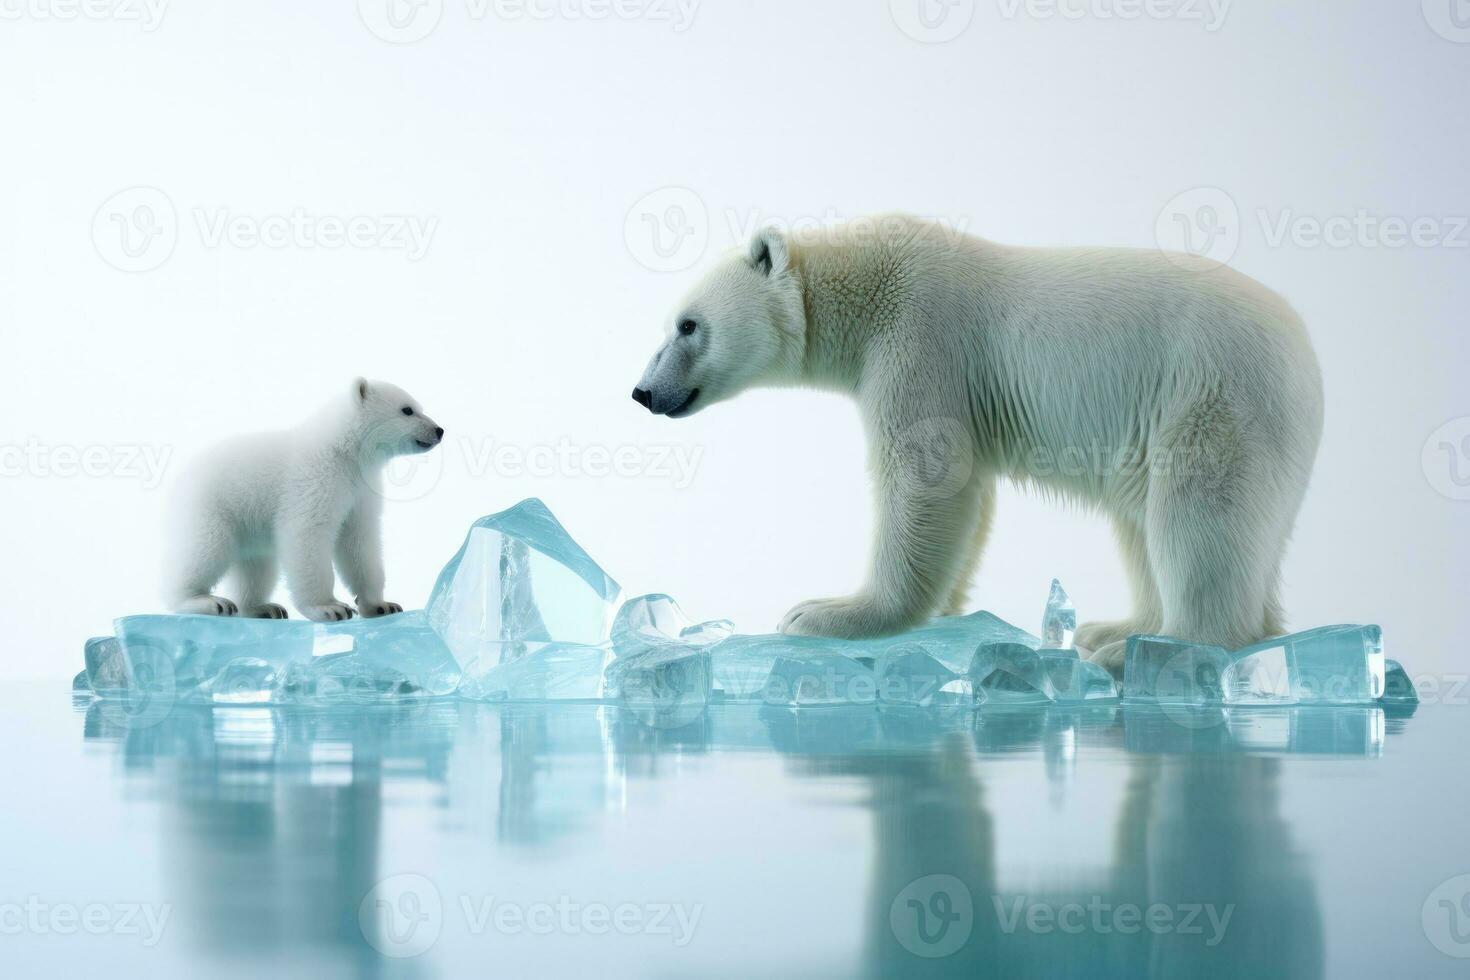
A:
x,y
306,498
1178,396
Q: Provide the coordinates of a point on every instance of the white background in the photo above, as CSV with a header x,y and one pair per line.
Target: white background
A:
x,y
532,143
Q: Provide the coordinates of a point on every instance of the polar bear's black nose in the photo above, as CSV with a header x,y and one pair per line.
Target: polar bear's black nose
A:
x,y
643,397
438,433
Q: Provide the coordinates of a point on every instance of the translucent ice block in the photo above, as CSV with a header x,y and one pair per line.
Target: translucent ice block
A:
x,y
233,660
1010,673
1335,664
1398,688
1074,680
1059,623
911,675
812,678
519,579
539,672
662,670
1169,671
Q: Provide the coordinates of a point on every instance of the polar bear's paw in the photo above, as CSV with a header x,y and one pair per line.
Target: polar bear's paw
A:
x,y
328,612
207,605
1095,636
370,610
849,618
1110,657
266,610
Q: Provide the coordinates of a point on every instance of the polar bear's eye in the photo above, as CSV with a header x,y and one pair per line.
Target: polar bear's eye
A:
x,y
407,410
686,327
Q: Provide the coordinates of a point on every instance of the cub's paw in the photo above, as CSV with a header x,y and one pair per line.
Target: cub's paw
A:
x,y
208,605
267,610
371,610
1094,636
1110,657
330,612
849,618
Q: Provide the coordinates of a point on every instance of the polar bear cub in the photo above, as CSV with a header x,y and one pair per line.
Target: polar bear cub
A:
x,y
1179,397
303,498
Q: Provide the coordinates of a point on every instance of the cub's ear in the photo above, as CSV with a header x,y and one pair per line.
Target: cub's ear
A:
x,y
359,390
769,253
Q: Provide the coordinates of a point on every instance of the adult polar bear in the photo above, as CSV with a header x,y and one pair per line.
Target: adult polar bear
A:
x,y
1180,397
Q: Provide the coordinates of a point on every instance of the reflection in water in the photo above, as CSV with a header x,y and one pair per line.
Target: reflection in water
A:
x,y
274,822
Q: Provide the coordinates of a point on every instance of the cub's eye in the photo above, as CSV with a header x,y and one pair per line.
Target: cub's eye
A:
x,y
687,327
407,410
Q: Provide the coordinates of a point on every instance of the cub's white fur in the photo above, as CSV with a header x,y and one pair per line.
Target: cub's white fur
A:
x,y
305,497
1180,397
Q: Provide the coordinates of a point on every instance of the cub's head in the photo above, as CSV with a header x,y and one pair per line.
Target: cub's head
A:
x,y
742,326
391,421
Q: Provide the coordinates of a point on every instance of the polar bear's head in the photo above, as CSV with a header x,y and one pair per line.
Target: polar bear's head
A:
x,y
389,421
741,326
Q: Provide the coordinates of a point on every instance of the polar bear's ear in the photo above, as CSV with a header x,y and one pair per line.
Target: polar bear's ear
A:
x,y
768,252
359,390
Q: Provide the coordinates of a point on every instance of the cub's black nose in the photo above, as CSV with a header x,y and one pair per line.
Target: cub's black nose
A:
x,y
643,397
439,433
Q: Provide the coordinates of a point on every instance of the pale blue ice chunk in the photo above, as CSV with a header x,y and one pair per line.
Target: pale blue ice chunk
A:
x,y
80,684
1074,680
1398,687
539,672
1010,673
912,675
662,668
106,672
1259,675
819,678
234,660
1335,664
1169,671
519,579
1059,622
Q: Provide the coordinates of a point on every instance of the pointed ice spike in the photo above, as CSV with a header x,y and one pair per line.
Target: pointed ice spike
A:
x,y
1059,624
518,580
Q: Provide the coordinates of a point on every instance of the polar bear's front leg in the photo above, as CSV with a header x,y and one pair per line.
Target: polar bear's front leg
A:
x,y
360,560
928,508
305,544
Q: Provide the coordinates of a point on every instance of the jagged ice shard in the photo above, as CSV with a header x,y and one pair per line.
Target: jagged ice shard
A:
x,y
523,613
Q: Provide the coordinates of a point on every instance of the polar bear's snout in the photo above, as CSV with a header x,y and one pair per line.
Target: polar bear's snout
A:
x,y
665,388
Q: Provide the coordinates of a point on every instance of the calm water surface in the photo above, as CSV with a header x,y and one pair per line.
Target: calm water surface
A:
x,y
451,839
